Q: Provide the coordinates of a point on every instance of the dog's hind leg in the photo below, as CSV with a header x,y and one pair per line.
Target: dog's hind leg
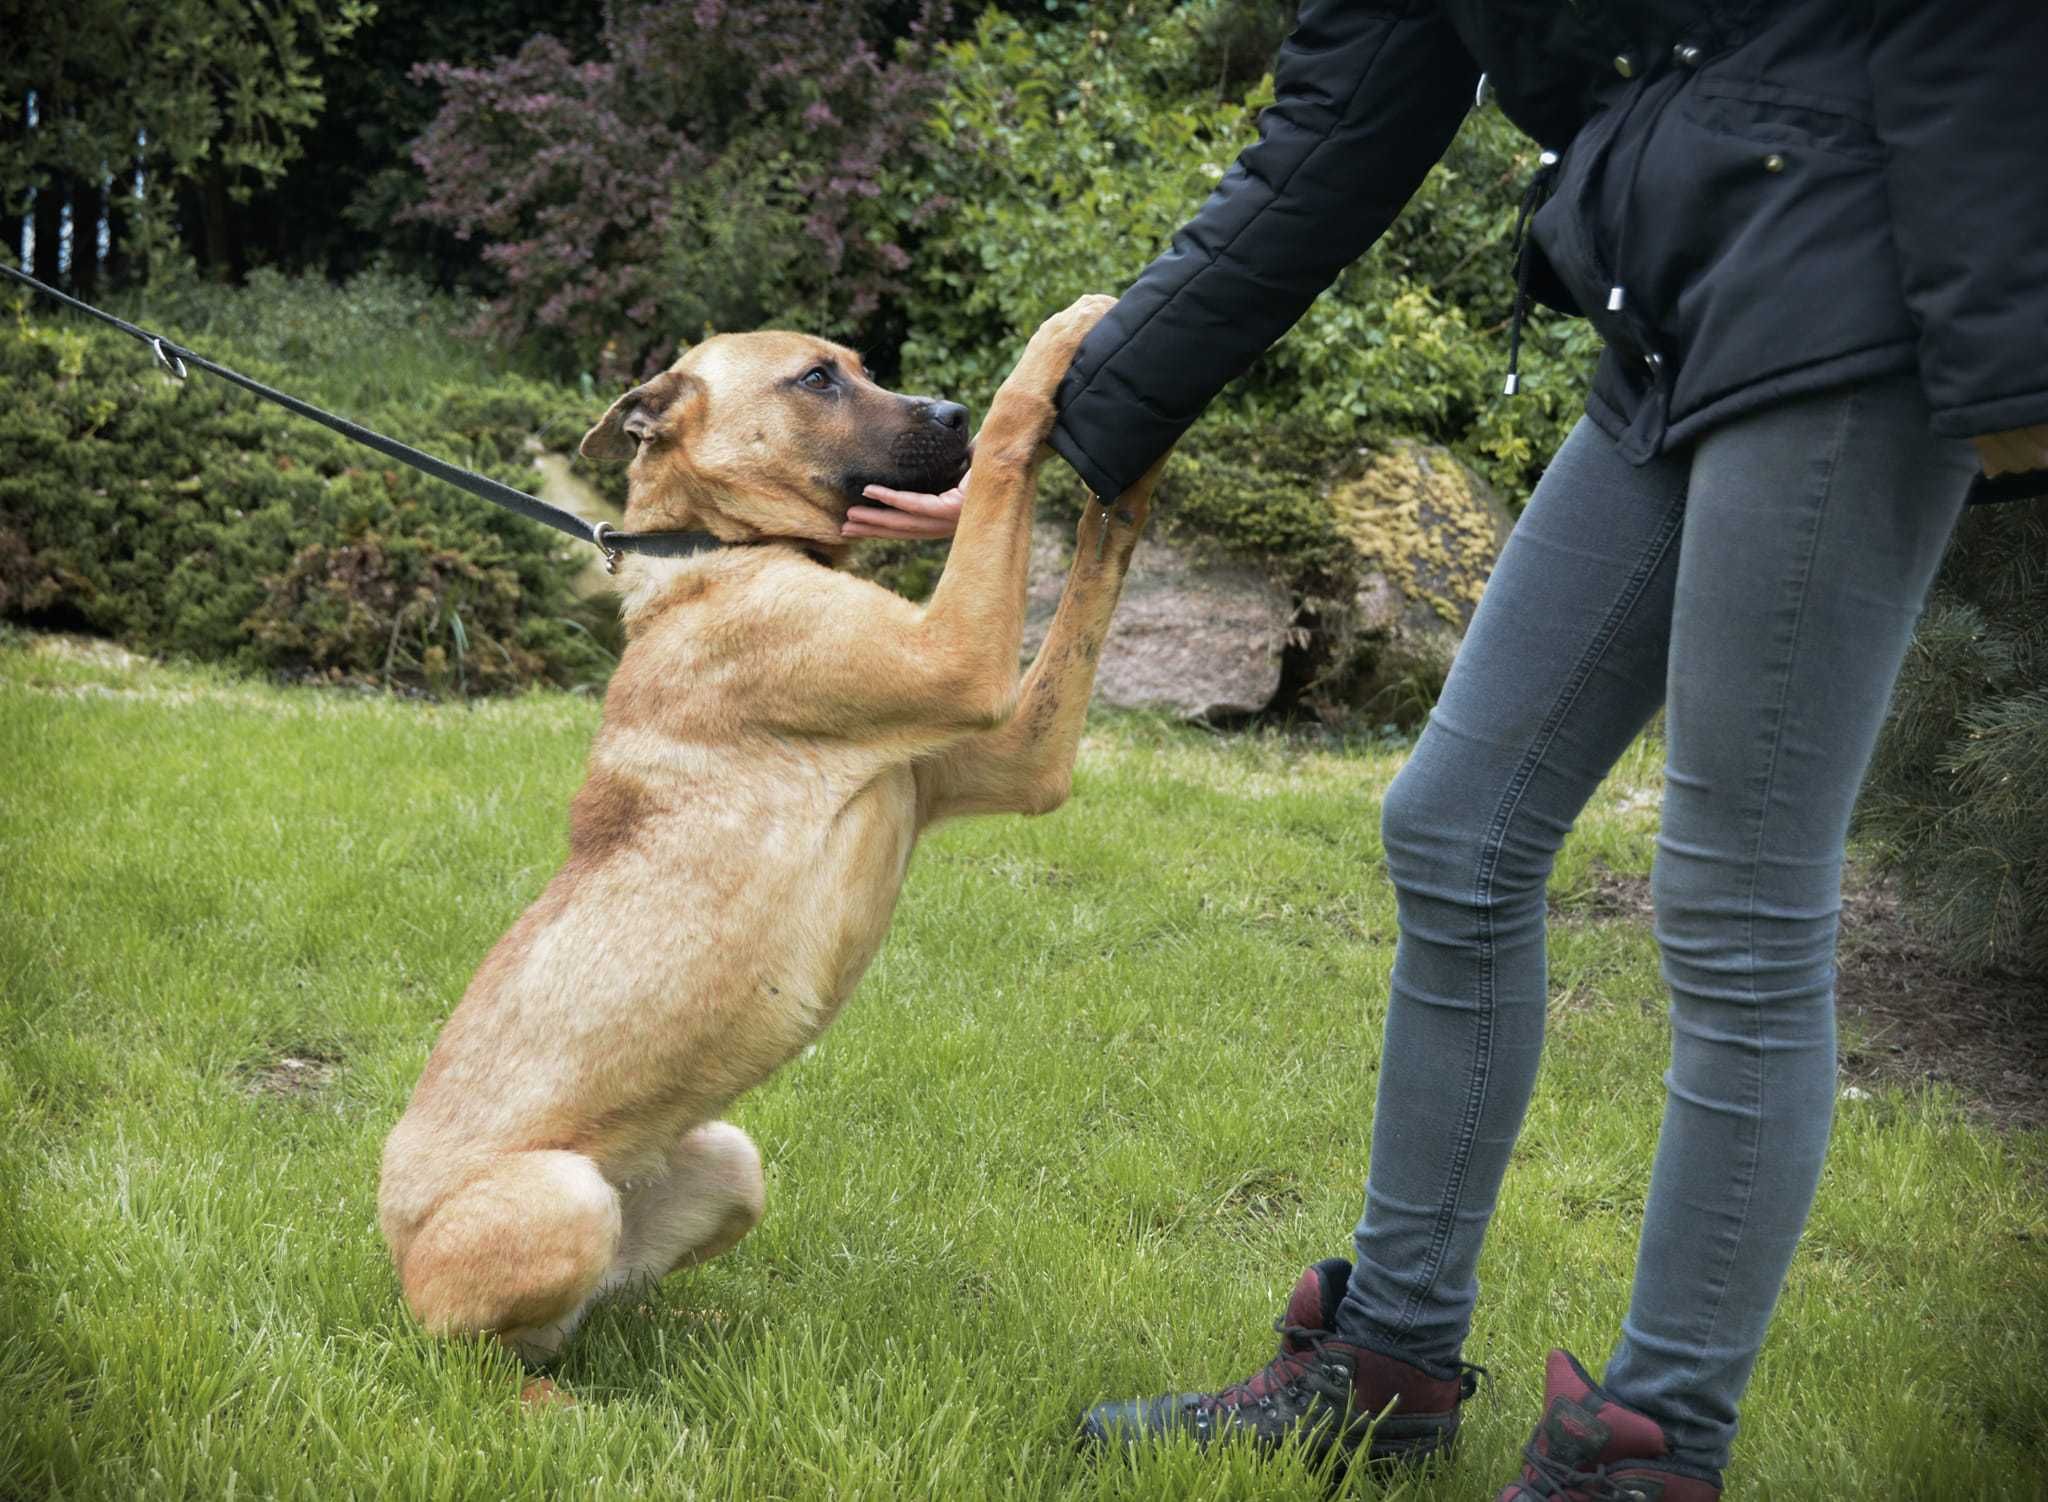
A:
x,y
517,1252
710,1197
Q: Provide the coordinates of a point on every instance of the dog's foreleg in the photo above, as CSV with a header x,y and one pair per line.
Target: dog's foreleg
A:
x,y
1026,765
925,676
978,606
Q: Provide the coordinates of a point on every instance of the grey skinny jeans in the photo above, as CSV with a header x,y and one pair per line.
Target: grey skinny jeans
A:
x,y
1761,586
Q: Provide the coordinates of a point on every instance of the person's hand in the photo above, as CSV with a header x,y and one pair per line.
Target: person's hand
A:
x,y
2020,451
905,514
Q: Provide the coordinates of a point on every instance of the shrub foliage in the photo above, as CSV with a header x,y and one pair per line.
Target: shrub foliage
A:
x,y
1064,158
192,519
717,166
1957,801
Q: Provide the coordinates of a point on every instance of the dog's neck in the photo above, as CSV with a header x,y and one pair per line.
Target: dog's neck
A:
x,y
650,587
688,504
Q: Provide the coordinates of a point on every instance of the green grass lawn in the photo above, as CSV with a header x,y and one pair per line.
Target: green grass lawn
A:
x,y
1107,1088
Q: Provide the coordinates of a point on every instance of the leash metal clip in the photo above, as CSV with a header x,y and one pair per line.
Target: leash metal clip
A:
x,y
171,363
611,554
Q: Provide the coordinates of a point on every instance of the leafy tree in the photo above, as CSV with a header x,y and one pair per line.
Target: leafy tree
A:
x,y
342,205
197,101
714,166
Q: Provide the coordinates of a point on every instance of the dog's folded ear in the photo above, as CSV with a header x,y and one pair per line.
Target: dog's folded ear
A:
x,y
634,416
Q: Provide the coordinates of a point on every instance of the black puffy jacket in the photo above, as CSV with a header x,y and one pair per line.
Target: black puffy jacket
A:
x,y
1754,200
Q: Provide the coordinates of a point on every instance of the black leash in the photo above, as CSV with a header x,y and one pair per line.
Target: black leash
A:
x,y
174,358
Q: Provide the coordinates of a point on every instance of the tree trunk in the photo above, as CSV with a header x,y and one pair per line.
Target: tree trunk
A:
x,y
14,205
189,217
120,263
48,214
265,237
49,223
88,203
219,255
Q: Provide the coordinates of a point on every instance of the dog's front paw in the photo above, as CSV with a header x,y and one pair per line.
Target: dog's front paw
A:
x,y
1021,416
1058,340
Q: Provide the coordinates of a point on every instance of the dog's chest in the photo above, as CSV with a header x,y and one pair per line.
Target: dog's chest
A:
x,y
849,894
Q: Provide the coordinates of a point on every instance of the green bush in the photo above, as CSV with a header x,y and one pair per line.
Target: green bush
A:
x,y
1067,156
1062,160
194,520
377,340
1957,802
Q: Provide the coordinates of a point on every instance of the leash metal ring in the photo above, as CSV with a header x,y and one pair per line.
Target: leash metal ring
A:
x,y
611,554
170,362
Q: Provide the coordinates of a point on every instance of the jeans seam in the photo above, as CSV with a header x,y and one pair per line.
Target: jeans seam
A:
x,y
1777,734
1489,858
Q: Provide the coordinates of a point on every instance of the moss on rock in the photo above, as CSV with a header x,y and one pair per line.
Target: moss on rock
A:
x,y
1425,532
1427,526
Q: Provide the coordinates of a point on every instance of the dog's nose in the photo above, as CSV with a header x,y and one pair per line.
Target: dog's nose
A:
x,y
949,415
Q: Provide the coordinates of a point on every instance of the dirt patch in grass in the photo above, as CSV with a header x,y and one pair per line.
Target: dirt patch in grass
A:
x,y
1262,1195
1607,897
1984,1034
1915,1019
291,1076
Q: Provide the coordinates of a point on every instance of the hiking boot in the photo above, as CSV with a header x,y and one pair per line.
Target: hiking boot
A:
x,y
1319,1391
1591,1449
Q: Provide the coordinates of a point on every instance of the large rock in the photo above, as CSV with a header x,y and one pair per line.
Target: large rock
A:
x,y
1201,640
1427,531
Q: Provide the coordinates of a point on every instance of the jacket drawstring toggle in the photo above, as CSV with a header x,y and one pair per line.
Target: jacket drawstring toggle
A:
x,y
1532,199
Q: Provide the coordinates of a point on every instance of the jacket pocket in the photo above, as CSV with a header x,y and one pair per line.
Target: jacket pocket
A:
x,y
1758,236
1768,114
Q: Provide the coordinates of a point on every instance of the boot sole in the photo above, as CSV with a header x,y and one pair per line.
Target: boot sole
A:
x,y
1402,1439
1398,1439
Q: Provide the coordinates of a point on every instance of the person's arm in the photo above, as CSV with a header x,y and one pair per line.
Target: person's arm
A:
x,y
1960,95
1368,96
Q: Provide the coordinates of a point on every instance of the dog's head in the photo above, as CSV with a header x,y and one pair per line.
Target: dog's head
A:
x,y
772,435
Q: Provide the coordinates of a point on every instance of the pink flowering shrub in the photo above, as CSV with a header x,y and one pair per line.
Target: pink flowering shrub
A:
x,y
718,166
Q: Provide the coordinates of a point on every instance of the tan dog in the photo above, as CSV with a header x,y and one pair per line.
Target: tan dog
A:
x,y
774,739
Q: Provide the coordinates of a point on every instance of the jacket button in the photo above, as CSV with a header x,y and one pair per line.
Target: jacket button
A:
x,y
1774,163
1624,65
1687,55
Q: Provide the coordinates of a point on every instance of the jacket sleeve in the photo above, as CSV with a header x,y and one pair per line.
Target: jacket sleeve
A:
x,y
1960,94
1367,97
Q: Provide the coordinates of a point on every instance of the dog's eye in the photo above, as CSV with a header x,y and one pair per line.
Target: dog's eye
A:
x,y
817,378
